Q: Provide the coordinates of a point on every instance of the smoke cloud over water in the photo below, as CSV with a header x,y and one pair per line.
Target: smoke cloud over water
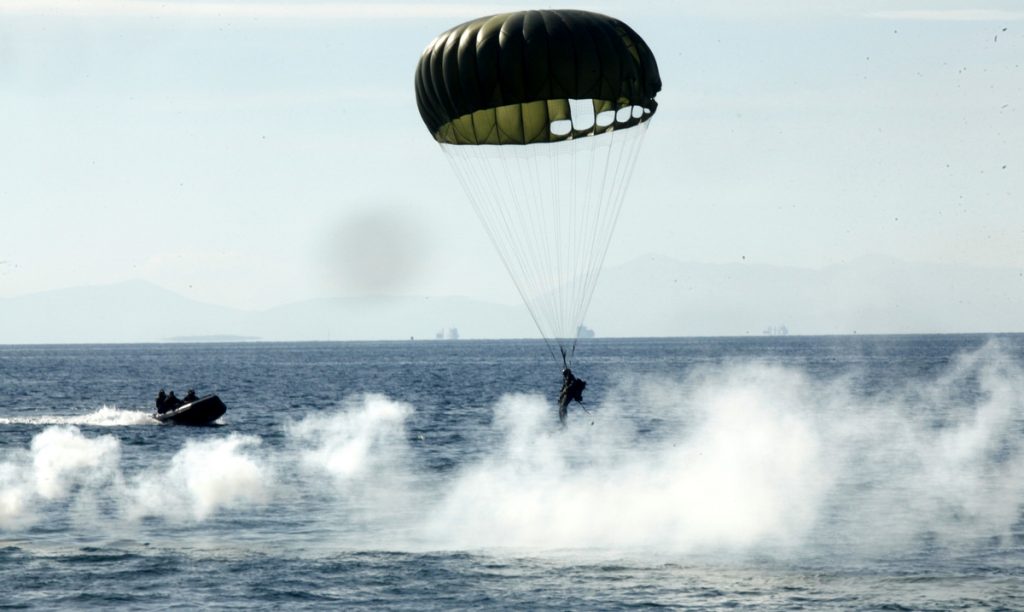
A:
x,y
59,461
748,471
202,478
747,457
364,440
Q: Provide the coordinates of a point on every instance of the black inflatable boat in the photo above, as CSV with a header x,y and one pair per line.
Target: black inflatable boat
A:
x,y
203,411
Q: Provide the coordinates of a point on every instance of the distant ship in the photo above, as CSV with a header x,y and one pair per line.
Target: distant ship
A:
x,y
584,332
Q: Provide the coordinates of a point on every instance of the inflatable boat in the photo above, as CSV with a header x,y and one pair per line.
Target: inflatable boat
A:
x,y
203,411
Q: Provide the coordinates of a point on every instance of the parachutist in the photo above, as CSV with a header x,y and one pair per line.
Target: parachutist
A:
x,y
572,389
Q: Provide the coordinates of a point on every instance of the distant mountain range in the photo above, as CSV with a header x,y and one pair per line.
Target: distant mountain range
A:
x,y
138,311
650,296
655,296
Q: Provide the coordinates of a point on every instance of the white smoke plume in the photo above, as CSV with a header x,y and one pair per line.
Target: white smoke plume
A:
x,y
746,470
358,460
365,438
736,458
203,477
59,461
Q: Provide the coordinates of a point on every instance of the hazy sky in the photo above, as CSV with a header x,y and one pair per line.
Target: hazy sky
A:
x,y
255,153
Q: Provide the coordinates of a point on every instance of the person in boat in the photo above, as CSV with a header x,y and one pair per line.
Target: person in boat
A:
x,y
190,396
572,390
172,402
161,402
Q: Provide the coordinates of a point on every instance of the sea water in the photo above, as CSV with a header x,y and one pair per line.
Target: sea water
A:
x,y
759,473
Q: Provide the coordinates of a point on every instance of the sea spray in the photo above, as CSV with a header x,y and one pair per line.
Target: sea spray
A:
x,y
202,478
104,416
59,463
366,437
16,493
360,459
747,473
757,457
936,462
744,457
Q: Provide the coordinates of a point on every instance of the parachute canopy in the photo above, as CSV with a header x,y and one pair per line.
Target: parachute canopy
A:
x,y
508,79
541,114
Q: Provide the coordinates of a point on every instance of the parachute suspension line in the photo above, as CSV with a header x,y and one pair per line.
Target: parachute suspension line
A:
x,y
506,215
525,204
530,262
561,193
614,162
580,209
544,231
550,231
541,239
567,211
549,209
544,192
473,173
493,192
581,214
591,278
584,270
624,164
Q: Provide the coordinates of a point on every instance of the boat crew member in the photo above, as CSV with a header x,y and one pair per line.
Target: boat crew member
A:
x,y
191,396
172,402
161,402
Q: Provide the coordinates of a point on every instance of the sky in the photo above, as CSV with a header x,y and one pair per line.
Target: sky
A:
x,y
251,154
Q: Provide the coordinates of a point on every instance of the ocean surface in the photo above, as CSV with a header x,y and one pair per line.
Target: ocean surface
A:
x,y
754,473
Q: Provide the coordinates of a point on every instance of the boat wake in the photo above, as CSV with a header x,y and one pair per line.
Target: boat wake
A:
x,y
105,416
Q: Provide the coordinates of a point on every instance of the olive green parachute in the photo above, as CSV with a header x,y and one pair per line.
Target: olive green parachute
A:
x,y
506,79
541,114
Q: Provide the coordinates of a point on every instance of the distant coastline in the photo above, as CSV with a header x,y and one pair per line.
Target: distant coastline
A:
x,y
213,338
650,297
